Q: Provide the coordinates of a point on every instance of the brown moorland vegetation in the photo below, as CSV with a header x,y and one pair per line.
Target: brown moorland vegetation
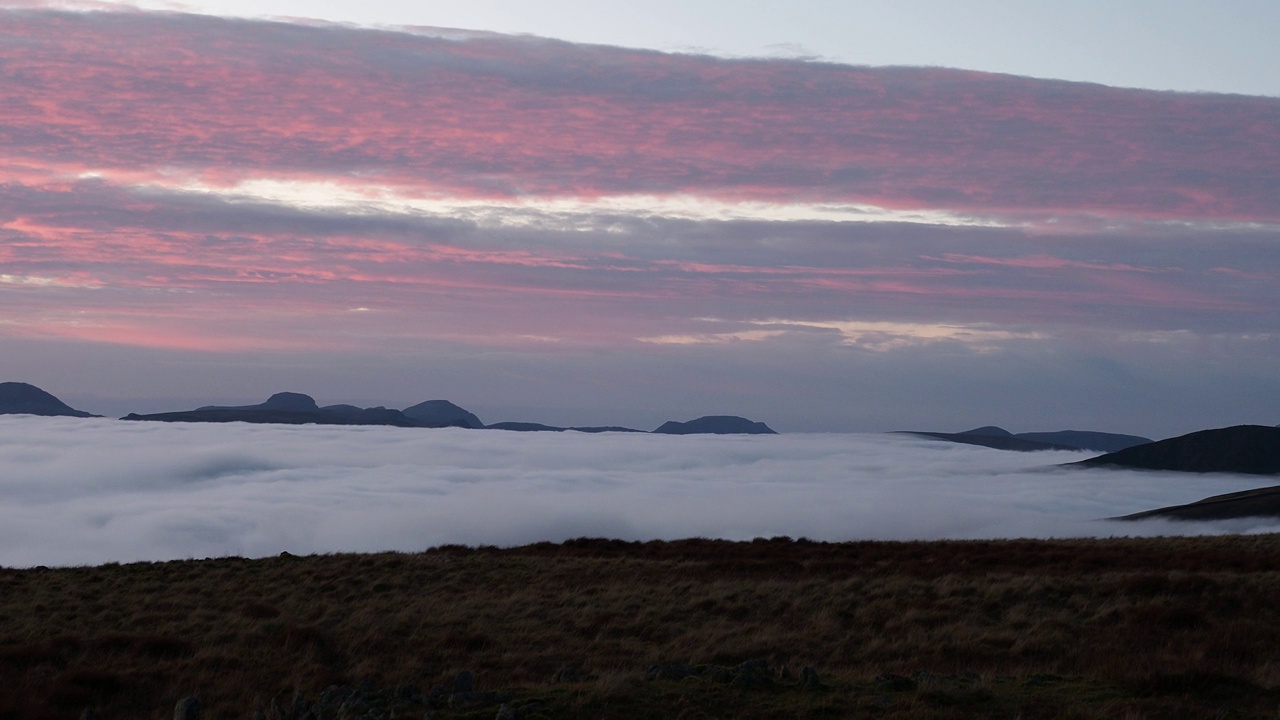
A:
x,y
1117,628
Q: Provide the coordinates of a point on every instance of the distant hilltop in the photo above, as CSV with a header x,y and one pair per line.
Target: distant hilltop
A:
x,y
291,408
1001,439
716,425
1245,449
17,398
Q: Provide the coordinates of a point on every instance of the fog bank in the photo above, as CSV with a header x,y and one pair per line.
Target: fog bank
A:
x,y
91,491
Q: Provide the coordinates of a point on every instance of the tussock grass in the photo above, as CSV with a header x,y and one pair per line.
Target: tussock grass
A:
x,y
1176,627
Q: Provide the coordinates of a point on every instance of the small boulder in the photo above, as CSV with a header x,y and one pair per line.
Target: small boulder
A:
x,y
464,682
809,680
895,683
567,675
188,708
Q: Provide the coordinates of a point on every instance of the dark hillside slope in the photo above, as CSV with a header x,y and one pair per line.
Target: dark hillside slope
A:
x,y
1000,439
17,398
991,440
1249,449
1087,439
1260,502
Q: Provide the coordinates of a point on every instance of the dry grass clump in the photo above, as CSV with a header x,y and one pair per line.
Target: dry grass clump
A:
x,y
1180,627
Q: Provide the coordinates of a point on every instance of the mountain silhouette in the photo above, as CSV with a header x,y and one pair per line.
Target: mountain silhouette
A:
x,y
1086,439
715,425
18,398
441,413
539,427
281,402
287,408
524,427
1249,449
1260,502
1000,439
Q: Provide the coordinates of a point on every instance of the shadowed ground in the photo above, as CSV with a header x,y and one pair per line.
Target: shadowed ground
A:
x,y
1170,628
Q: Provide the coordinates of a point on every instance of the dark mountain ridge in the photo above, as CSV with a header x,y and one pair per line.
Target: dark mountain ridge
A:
x,y
715,425
292,408
1259,502
539,427
1000,439
442,413
1247,449
289,408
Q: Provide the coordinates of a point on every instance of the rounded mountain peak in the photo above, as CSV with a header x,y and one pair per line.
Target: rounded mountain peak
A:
x,y
290,402
19,398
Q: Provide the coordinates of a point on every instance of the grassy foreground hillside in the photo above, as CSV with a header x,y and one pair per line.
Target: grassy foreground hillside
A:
x,y
1133,628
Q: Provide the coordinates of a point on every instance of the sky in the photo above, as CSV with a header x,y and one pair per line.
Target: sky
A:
x,y
824,216
82,492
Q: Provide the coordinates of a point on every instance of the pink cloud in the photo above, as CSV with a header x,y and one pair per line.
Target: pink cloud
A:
x,y
498,116
1039,262
108,114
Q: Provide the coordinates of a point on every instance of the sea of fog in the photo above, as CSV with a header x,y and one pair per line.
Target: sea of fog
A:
x,y
76,492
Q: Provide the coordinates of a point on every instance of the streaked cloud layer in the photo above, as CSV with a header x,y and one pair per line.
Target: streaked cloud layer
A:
x,y
150,95
196,184
92,491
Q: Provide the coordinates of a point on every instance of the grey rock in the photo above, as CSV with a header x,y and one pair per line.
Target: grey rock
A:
x,y
567,675
188,708
464,682
720,674
895,683
300,707
407,692
670,672
753,673
809,679
464,700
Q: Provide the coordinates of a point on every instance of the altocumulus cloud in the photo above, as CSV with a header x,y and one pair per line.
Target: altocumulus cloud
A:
x,y
80,492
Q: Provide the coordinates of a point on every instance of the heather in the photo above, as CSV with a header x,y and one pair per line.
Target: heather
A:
x,y
1143,627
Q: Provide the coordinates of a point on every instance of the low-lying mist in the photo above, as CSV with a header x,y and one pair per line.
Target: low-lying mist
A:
x,y
78,492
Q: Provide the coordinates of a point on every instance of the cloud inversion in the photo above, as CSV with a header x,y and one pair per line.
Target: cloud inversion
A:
x,y
91,491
